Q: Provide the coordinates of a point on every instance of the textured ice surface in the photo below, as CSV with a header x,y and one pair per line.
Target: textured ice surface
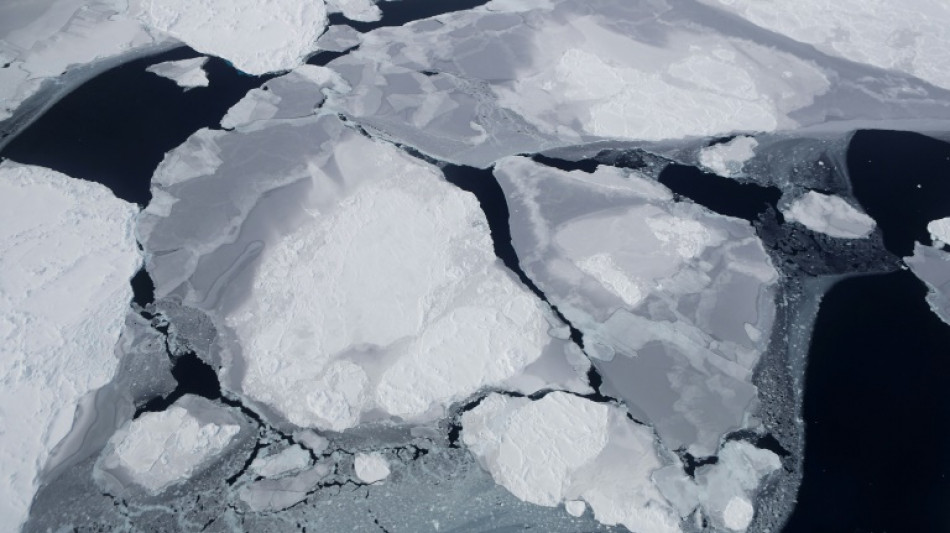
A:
x,y
566,448
940,230
908,36
160,449
67,254
360,10
830,215
371,467
256,37
675,302
40,39
726,159
290,459
932,266
187,73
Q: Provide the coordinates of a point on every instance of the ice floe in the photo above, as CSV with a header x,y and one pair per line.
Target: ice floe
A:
x,y
290,459
830,215
187,73
157,450
67,253
371,467
359,10
675,302
727,159
932,266
940,230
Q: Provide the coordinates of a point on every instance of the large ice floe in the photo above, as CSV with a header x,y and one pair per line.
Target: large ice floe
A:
x,y
349,280
675,302
830,215
932,265
67,253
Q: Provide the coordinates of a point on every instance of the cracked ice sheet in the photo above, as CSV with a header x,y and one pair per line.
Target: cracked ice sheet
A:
x,y
675,302
41,39
564,72
67,253
305,227
932,266
187,73
829,214
911,36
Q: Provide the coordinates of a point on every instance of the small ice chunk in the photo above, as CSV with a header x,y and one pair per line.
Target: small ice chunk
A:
x,y
940,230
257,37
289,459
278,494
830,215
158,450
358,10
187,73
738,513
575,507
727,159
371,467
313,440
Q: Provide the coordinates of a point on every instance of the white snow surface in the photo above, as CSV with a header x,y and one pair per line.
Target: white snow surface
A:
x,y
830,215
187,73
290,459
909,36
940,230
564,448
157,450
726,159
575,507
67,253
359,10
256,37
371,467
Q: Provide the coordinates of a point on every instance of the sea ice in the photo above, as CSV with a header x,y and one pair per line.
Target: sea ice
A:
x,y
674,302
359,10
932,266
187,73
67,253
940,231
371,467
567,449
830,215
726,159
290,459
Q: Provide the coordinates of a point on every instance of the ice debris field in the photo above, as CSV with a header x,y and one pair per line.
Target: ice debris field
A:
x,y
457,266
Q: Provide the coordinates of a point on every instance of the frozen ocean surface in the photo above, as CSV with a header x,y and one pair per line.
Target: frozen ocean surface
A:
x,y
472,266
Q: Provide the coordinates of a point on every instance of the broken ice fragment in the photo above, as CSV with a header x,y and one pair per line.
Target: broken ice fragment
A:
x,y
290,459
940,231
187,73
932,266
358,10
575,507
831,215
67,253
277,494
371,467
727,159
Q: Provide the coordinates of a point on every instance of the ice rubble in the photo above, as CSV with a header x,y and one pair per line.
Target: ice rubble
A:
x,y
328,231
830,215
909,36
932,266
371,467
158,450
67,254
727,159
675,302
187,73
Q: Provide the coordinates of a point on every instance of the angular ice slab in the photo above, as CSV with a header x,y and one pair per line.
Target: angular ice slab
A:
x,y
909,36
932,266
158,450
290,459
675,302
349,281
566,449
830,215
726,159
257,37
187,73
940,230
371,467
67,254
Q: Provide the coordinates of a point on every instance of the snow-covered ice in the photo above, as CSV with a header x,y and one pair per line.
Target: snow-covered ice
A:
x,y
157,450
932,266
675,302
830,215
290,459
67,253
371,467
564,448
940,230
727,159
187,73
575,507
359,10
256,37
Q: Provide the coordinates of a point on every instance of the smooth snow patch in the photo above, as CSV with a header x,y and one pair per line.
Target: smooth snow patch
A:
x,y
738,513
158,450
289,459
67,253
187,73
575,508
940,230
256,37
727,159
830,215
371,467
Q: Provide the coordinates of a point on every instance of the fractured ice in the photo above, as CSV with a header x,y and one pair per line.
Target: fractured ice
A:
x,y
830,215
187,73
